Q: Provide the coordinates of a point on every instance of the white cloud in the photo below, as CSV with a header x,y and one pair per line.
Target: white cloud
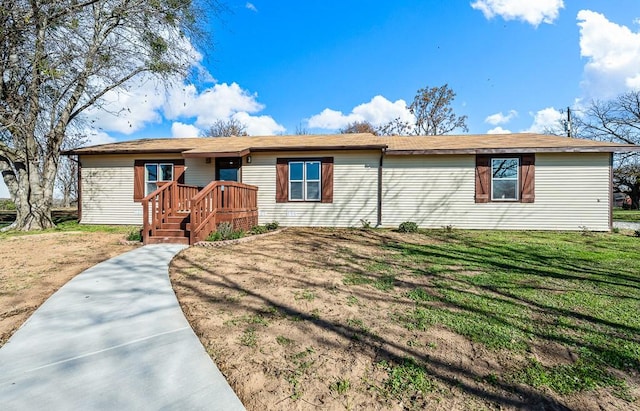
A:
x,y
545,119
95,137
214,103
533,12
251,7
500,118
181,130
378,111
259,125
498,130
127,111
613,53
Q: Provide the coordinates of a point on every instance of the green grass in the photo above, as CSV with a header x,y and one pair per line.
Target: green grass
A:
x,y
509,289
67,226
569,379
627,215
407,378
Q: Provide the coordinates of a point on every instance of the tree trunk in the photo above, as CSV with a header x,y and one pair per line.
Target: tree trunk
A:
x,y
32,195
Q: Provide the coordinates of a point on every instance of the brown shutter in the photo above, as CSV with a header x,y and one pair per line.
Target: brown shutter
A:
x,y
138,180
483,178
282,180
327,180
528,172
178,171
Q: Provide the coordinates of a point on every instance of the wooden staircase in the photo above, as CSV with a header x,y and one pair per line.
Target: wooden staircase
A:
x,y
174,230
181,214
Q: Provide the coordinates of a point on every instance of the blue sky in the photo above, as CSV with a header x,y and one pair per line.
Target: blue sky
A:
x,y
276,66
514,64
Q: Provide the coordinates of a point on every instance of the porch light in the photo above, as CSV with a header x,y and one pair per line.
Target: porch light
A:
x,y
248,159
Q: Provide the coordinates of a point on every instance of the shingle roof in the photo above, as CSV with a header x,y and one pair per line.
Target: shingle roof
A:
x,y
394,145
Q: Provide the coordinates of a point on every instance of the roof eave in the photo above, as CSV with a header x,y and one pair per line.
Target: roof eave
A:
x,y
516,150
203,153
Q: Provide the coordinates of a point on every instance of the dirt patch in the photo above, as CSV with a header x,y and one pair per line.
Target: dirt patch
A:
x,y
313,319
33,267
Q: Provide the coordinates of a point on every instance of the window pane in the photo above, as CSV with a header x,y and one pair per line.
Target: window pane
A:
x,y
152,172
505,168
151,187
295,171
295,191
505,189
228,174
166,172
313,170
313,190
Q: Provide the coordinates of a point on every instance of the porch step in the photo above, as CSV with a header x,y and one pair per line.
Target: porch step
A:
x,y
167,240
165,232
178,218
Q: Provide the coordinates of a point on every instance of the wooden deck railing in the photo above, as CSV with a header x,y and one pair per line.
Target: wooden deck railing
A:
x,y
222,201
169,199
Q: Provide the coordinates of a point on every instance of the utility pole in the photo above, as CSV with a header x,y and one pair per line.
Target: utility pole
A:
x,y
568,126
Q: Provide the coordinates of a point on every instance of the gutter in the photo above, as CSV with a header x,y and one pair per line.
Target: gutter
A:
x,y
380,166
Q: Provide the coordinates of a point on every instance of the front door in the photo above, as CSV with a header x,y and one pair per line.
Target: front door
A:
x,y
228,168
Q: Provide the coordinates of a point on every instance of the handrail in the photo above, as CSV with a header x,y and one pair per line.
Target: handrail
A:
x,y
220,198
168,199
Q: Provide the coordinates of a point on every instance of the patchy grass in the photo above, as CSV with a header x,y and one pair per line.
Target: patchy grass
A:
x,y
627,215
435,319
73,226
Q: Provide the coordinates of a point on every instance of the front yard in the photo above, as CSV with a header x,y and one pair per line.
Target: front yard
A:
x,y
35,265
369,319
626,215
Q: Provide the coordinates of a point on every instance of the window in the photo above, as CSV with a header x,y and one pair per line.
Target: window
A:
x,y
148,172
155,173
228,168
504,179
304,181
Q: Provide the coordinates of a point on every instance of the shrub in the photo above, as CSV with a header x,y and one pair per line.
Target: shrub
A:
x,y
259,229
636,233
134,235
272,225
408,227
225,231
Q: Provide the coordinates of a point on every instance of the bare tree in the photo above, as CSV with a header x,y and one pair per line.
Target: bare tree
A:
x,y
60,57
359,127
226,128
618,120
433,112
301,130
396,127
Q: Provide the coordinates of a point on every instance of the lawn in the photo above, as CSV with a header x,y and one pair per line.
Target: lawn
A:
x,y
370,319
33,265
626,215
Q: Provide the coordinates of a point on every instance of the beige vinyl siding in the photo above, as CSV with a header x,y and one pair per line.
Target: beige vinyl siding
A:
x,y
107,189
198,172
355,190
572,193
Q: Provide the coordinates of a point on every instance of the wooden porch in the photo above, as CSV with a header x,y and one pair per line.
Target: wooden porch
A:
x,y
183,214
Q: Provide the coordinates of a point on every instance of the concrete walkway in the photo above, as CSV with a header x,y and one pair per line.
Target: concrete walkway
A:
x,y
113,338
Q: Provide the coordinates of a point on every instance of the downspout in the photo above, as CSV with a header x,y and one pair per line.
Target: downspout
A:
x,y
379,223
611,192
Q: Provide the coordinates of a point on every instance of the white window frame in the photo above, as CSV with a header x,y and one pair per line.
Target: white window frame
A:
x,y
158,174
304,181
516,179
